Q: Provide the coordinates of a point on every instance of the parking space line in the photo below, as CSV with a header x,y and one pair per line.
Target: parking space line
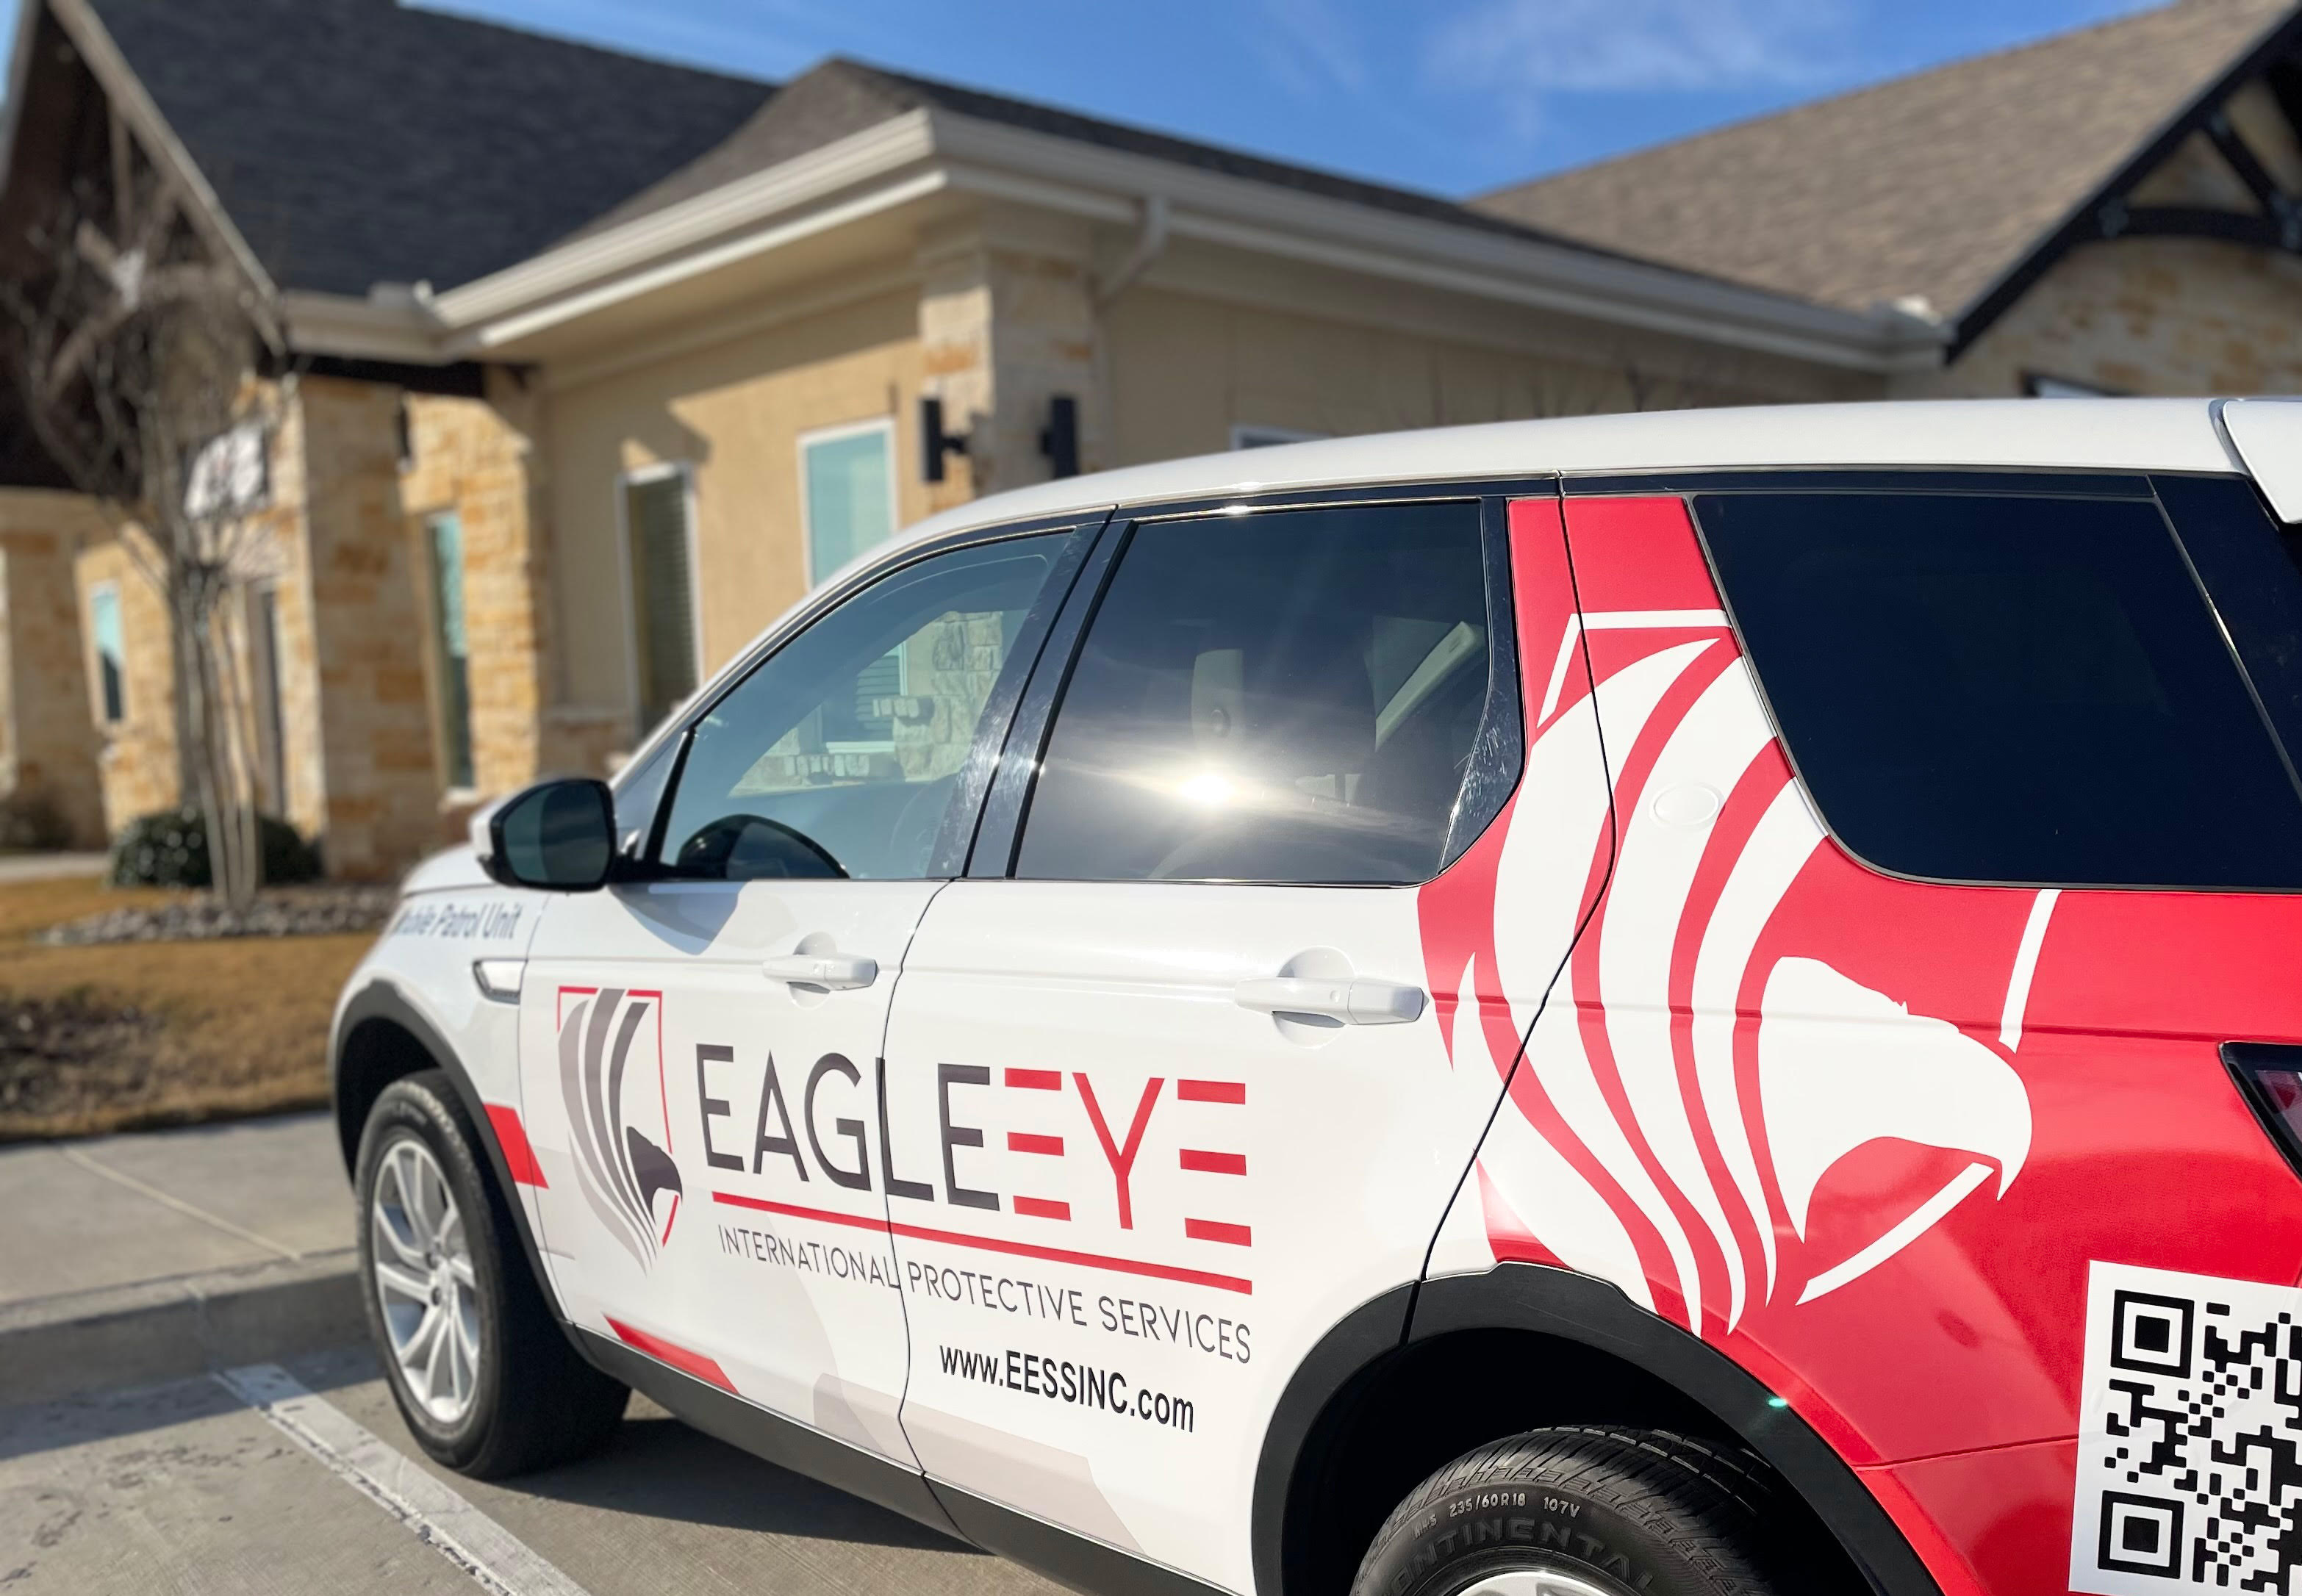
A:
x,y
443,1520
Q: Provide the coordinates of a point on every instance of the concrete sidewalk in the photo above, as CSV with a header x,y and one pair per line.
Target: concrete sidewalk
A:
x,y
146,1257
50,866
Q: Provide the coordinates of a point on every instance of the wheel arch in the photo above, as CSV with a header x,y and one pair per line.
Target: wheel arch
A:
x,y
379,1037
1345,1428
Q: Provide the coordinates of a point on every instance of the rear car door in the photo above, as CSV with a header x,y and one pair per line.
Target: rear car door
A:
x,y
1190,1074
700,1041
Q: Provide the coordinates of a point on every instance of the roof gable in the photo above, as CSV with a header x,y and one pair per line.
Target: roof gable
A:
x,y
358,141
1936,185
839,97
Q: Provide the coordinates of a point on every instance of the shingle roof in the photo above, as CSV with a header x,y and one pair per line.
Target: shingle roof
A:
x,y
1930,185
357,141
841,97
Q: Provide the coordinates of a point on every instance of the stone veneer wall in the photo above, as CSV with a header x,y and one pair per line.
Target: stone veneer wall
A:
x,y
48,741
477,458
138,763
377,747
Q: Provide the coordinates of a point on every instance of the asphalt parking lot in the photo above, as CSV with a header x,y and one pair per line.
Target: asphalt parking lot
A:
x,y
187,1487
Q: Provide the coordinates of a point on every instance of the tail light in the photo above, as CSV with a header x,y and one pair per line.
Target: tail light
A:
x,y
2269,1075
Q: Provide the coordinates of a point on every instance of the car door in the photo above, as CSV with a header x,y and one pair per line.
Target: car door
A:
x,y
701,1039
1196,1076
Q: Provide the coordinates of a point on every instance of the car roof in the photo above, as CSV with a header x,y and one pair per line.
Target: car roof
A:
x,y
2082,434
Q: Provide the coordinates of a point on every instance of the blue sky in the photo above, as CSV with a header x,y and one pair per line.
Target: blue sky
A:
x,y
1452,95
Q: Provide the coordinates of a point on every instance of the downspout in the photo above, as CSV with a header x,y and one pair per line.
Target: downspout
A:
x,y
1150,243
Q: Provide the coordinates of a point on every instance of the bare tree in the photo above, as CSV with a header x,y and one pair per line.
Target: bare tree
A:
x,y
142,359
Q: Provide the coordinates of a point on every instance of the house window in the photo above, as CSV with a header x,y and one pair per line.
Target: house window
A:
x,y
1247,435
111,656
847,478
659,546
444,542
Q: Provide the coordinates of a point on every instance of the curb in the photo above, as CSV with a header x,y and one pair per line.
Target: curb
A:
x,y
166,1329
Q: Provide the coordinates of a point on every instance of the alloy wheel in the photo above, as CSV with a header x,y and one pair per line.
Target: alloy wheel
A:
x,y
1539,1582
424,1282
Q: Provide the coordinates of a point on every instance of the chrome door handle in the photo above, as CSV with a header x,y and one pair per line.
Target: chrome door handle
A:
x,y
1354,1002
833,972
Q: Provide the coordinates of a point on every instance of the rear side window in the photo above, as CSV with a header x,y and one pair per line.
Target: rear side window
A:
x,y
2013,689
1286,697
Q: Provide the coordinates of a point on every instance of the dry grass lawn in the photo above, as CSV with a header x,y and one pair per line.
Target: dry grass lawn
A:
x,y
237,1025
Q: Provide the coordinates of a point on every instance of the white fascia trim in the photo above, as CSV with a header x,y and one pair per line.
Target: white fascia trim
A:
x,y
861,158
362,329
479,341
1269,218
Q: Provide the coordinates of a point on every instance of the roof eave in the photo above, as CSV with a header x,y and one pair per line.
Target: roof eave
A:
x,y
923,151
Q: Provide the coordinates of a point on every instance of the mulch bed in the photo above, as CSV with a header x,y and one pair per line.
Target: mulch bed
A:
x,y
57,1054
284,912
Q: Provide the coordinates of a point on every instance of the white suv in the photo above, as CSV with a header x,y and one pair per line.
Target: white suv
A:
x,y
1699,1002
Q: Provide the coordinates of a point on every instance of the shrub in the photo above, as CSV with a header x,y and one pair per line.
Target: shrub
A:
x,y
170,848
30,822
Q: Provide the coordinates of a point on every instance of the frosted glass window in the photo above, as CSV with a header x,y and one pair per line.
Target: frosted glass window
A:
x,y
851,496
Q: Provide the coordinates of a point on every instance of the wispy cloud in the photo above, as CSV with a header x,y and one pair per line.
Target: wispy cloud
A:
x,y
1311,47
1603,45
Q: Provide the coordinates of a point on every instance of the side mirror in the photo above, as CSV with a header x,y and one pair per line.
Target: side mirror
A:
x,y
558,836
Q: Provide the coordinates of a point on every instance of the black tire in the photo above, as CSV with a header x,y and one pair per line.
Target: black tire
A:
x,y
533,1401
1641,1511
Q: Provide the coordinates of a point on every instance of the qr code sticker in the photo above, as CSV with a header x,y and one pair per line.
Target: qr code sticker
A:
x,y
2189,1471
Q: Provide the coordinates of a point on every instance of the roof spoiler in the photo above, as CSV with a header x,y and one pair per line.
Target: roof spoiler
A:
x,y
2266,436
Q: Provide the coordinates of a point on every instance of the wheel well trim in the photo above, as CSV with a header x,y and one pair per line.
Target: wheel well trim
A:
x,y
381,1000
1574,1307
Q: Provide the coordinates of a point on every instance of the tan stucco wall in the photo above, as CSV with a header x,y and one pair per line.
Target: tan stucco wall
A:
x,y
1213,340
733,412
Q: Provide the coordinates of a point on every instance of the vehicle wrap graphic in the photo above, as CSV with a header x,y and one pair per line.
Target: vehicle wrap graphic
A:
x,y
1655,1134
1861,1134
622,1170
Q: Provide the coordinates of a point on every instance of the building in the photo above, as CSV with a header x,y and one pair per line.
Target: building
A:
x,y
596,363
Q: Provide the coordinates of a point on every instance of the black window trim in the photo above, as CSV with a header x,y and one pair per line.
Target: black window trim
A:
x,y
2044,482
1499,753
1685,487
1085,528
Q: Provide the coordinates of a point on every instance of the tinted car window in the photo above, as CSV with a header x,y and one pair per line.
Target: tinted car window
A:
x,y
840,754
2006,689
1284,697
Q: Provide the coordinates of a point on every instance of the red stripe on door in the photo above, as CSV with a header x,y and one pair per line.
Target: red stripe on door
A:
x,y
511,1135
1037,1081
1032,1141
670,1352
1031,1207
1215,1230
1215,1164
1211,1091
